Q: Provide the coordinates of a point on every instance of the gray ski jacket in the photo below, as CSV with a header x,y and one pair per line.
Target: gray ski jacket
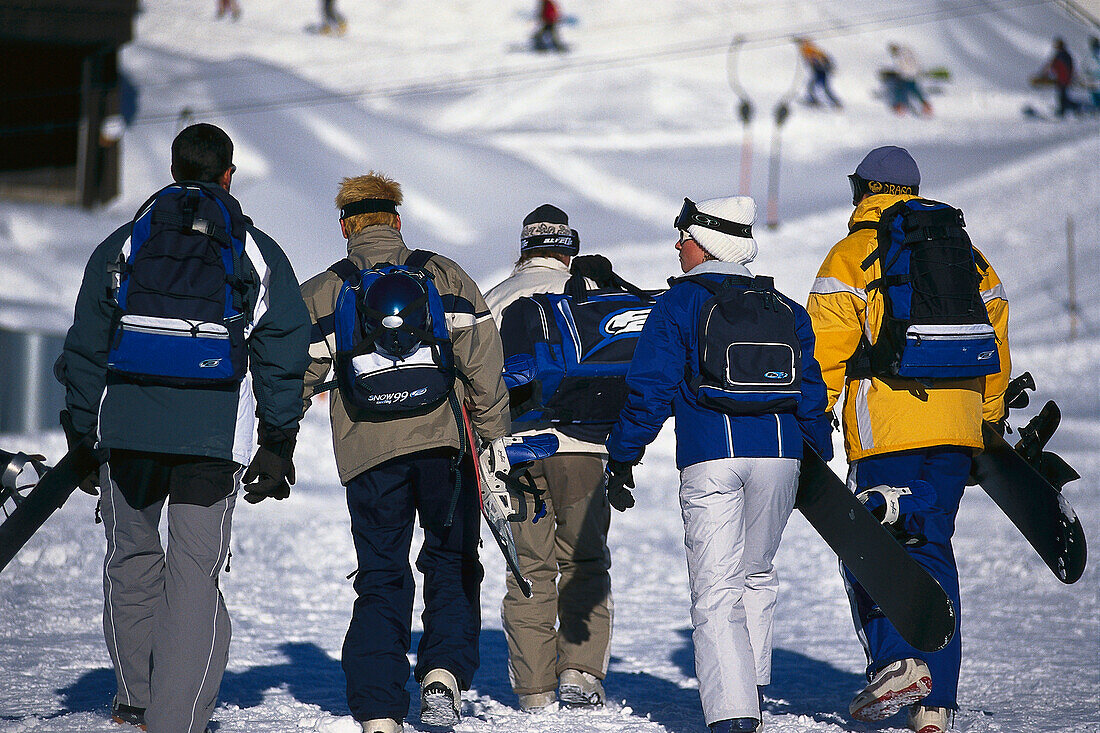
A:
x,y
213,422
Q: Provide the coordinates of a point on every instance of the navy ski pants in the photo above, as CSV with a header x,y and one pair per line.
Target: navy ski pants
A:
x,y
946,470
383,502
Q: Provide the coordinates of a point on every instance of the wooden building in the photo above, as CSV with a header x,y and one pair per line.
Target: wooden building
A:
x,y
61,98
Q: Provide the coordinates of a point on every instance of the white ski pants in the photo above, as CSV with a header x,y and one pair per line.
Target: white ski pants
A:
x,y
734,513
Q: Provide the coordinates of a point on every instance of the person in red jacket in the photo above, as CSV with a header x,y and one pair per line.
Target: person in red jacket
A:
x,y
546,37
1060,70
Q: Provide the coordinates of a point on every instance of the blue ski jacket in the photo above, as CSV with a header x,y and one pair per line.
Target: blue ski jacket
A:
x,y
666,358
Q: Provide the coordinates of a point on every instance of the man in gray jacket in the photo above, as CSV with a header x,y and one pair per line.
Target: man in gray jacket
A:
x,y
558,640
181,438
399,467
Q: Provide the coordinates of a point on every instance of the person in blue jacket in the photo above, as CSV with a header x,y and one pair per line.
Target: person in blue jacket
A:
x,y
738,472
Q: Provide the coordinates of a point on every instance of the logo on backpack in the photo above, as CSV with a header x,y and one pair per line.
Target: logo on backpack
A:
x,y
394,356
749,355
623,322
181,291
935,324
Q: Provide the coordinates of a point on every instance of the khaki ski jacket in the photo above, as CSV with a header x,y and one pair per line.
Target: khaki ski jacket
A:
x,y
479,360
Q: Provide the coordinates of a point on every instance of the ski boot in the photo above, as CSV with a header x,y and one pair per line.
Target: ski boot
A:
x,y
127,714
896,685
736,725
383,725
580,689
924,719
537,701
439,699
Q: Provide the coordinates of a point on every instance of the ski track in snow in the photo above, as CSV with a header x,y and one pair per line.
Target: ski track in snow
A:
x,y
617,147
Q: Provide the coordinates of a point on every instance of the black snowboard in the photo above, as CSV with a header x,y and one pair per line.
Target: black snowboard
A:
x,y
911,598
35,507
1022,487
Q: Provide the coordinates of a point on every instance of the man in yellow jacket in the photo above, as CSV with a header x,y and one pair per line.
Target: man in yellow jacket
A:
x,y
917,435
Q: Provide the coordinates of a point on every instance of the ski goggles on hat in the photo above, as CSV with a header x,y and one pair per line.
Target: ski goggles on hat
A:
x,y
691,216
861,186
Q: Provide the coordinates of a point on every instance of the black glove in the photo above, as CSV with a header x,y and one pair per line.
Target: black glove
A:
x,y
596,268
271,472
73,437
618,477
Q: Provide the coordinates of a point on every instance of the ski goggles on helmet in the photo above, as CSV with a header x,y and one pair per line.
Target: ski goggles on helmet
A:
x,y
691,216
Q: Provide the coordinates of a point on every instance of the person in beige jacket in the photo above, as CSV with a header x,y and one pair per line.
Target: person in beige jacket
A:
x,y
565,555
400,467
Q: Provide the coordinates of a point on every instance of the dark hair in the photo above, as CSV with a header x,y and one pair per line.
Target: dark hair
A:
x,y
201,152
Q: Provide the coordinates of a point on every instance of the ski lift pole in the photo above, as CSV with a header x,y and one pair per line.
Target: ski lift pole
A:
x,y
782,112
744,112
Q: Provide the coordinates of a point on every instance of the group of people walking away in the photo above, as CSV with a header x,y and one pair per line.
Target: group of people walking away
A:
x,y
191,334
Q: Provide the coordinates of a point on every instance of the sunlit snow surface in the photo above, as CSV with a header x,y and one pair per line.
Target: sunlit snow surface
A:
x,y
640,114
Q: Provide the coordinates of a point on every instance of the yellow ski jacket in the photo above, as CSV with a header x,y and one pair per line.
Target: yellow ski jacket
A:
x,y
890,415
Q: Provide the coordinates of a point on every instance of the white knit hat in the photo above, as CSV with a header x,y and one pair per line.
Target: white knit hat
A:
x,y
727,247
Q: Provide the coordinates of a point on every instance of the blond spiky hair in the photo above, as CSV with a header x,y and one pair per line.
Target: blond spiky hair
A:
x,y
371,186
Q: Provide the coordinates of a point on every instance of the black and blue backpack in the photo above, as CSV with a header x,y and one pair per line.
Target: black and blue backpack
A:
x,y
749,355
935,324
567,355
394,356
182,289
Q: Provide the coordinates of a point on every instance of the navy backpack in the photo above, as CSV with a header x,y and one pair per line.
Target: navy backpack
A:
x,y
749,355
395,363
935,325
181,292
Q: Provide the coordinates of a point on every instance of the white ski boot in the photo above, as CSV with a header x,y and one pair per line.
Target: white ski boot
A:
x,y
383,725
439,699
925,719
892,688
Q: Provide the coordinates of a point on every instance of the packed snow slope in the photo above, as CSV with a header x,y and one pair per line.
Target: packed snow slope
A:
x,y
445,98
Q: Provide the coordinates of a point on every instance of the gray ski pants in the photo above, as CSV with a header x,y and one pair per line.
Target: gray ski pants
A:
x,y
565,557
164,619
734,513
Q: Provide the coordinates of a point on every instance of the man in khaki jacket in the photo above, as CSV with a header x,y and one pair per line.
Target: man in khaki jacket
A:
x,y
398,467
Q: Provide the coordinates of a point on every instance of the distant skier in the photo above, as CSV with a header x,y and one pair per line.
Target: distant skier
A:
x,y
821,67
558,640
916,434
175,441
396,468
546,37
332,20
903,81
738,459
1092,72
1059,70
230,7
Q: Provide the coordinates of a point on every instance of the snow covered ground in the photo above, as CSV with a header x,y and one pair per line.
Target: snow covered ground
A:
x,y
640,114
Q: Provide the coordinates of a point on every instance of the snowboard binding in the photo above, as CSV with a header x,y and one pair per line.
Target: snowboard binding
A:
x,y
14,483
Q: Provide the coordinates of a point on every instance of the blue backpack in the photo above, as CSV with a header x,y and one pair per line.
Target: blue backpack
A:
x,y
935,325
749,355
567,355
377,384
182,291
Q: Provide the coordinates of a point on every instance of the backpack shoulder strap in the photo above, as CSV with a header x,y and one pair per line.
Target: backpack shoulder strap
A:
x,y
346,270
418,258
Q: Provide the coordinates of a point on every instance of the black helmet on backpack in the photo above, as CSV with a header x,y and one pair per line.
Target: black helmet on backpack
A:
x,y
395,314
